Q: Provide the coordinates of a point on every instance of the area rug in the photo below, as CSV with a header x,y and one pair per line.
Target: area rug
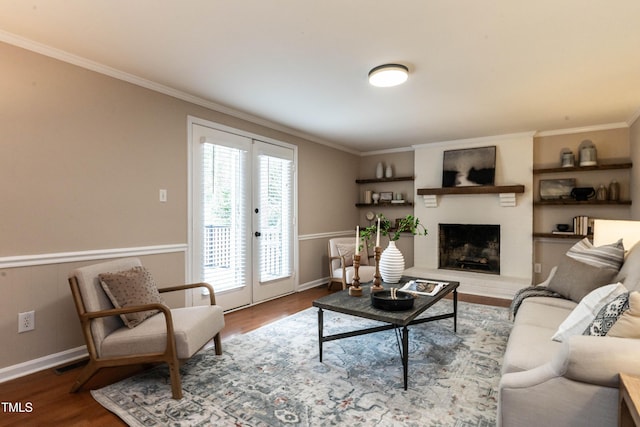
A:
x,y
272,376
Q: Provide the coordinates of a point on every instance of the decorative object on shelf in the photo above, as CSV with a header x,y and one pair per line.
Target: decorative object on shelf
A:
x,y
379,170
614,191
551,189
588,153
567,158
386,196
601,194
583,193
388,172
562,227
375,197
397,196
391,262
469,167
367,197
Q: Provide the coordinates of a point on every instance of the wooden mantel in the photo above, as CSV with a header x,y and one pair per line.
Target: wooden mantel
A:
x,y
507,193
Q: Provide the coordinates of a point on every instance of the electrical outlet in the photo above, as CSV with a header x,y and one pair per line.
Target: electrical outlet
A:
x,y
163,195
26,321
537,268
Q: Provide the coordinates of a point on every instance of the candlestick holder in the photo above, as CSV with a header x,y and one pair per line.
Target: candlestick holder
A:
x,y
355,290
377,279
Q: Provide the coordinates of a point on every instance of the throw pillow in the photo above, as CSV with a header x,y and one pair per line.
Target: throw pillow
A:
x,y
131,287
574,279
628,325
605,256
346,250
586,311
608,315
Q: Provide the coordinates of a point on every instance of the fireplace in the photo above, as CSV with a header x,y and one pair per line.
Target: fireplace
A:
x,y
469,247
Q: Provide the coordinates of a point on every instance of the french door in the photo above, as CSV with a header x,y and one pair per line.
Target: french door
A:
x,y
243,216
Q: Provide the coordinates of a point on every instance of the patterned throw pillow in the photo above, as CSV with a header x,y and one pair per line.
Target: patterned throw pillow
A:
x,y
608,315
131,287
628,325
584,313
605,256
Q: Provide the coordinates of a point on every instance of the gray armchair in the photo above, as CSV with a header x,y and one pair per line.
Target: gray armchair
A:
x,y
170,335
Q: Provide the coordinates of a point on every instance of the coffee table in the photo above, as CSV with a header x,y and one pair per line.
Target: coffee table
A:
x,y
342,302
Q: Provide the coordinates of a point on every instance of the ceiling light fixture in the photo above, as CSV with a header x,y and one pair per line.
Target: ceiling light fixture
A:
x,y
388,75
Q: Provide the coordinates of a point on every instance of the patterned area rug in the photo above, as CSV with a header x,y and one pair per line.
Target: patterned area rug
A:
x,y
272,376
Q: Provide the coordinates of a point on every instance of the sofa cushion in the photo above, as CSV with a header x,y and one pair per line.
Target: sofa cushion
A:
x,y
628,324
608,315
129,288
605,256
585,312
574,279
629,274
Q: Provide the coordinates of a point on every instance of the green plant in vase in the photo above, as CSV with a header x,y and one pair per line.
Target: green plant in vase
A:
x,y
391,260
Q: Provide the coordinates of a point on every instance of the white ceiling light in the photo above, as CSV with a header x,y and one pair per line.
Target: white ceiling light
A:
x,y
388,75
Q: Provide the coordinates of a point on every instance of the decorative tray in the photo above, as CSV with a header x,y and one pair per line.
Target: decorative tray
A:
x,y
391,300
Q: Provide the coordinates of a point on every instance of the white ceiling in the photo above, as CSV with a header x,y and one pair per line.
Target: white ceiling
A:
x,y
477,67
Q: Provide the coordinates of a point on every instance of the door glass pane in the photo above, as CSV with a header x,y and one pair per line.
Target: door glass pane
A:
x,y
276,218
225,226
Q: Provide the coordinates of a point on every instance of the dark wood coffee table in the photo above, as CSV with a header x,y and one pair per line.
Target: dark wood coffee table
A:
x,y
342,302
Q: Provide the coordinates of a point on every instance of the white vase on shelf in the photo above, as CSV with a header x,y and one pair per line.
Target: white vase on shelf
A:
x,y
388,173
379,170
391,264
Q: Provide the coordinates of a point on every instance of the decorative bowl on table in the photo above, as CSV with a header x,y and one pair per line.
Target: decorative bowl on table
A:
x,y
392,301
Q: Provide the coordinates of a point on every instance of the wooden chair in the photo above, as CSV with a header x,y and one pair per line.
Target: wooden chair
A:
x,y
169,336
341,269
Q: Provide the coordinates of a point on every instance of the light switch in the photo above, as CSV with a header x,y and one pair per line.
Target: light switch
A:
x,y
163,195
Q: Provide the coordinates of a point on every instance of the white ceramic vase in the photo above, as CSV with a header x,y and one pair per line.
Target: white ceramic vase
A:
x,y
391,264
379,170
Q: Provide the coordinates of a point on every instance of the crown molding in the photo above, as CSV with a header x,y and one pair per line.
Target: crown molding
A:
x,y
97,67
595,128
471,142
633,118
387,151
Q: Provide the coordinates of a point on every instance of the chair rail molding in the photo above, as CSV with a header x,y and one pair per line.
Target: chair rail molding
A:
x,y
90,255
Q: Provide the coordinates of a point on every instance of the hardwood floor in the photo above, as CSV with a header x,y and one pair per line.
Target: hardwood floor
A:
x,y
47,392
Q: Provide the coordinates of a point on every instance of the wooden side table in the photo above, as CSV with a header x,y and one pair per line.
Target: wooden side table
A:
x,y
629,401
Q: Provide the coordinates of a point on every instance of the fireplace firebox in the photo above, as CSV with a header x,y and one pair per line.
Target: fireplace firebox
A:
x,y
469,247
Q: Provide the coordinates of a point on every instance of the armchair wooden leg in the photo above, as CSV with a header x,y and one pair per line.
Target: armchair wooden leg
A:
x,y
176,384
87,373
217,341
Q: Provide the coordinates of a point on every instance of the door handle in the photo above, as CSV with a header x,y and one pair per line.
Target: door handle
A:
x,y
257,234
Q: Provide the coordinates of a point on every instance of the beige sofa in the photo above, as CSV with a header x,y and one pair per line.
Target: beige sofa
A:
x,y
572,383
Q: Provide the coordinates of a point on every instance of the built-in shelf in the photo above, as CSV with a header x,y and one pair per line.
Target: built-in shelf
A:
x,y
600,167
565,202
561,236
383,205
483,189
393,179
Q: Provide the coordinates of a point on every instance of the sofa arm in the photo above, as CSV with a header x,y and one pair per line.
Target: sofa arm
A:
x,y
597,360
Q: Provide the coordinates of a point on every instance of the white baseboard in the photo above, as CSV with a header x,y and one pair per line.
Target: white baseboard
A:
x,y
46,362
312,284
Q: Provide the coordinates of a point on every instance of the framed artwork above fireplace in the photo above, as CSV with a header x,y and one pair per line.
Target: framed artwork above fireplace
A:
x,y
469,167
